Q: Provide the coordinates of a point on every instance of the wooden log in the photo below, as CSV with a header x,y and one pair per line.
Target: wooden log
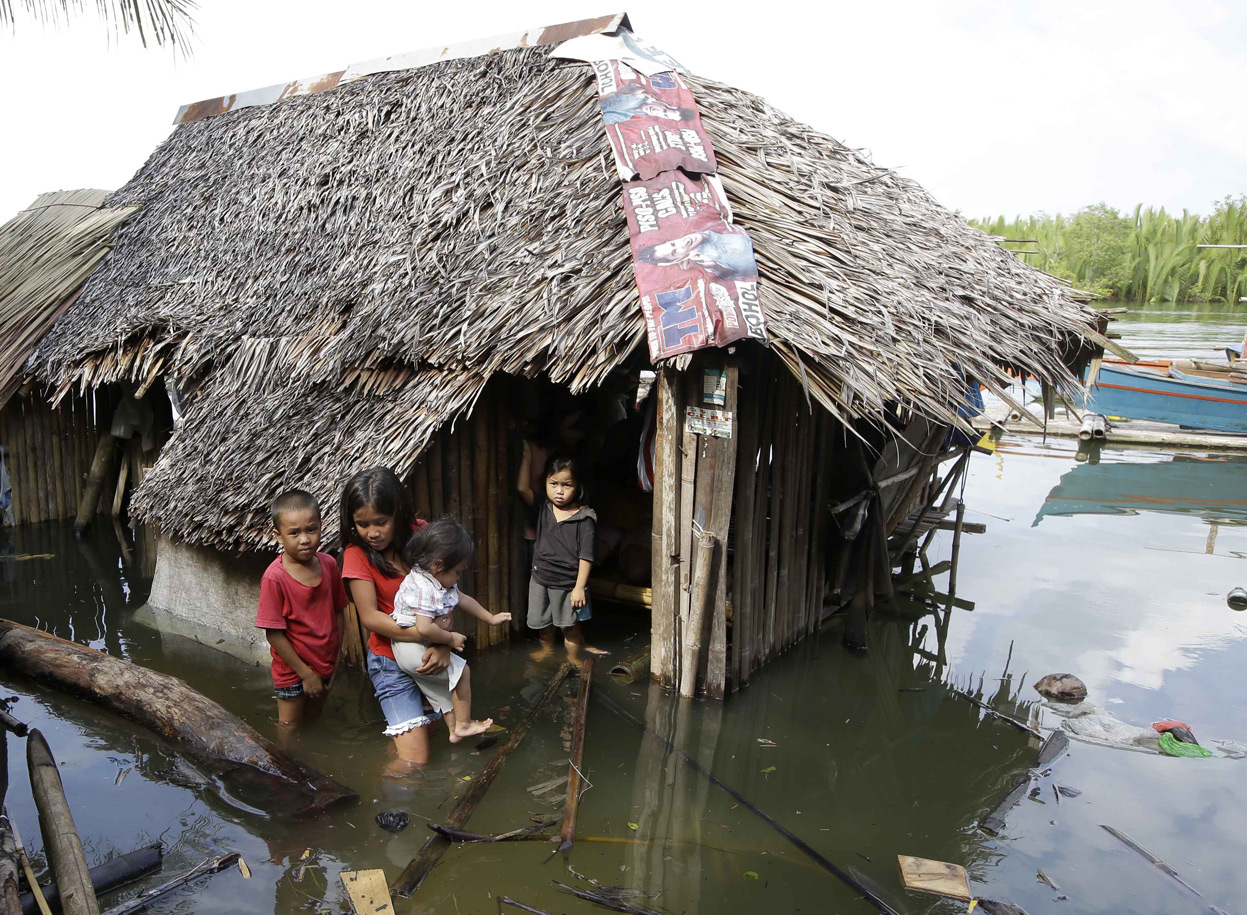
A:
x,y
633,668
580,716
112,874
418,868
123,475
60,837
697,614
95,483
480,514
166,705
665,541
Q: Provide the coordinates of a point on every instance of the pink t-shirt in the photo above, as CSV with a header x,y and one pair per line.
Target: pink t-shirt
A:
x,y
305,614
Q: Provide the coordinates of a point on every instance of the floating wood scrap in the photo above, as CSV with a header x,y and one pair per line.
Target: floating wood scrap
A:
x,y
938,878
507,900
205,868
170,708
1158,863
844,877
368,892
575,778
602,896
60,836
523,834
435,846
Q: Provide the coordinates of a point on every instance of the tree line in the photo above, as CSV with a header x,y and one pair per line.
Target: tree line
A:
x,y
1145,256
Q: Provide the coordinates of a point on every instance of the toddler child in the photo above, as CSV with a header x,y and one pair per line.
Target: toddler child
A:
x,y
562,558
437,555
301,603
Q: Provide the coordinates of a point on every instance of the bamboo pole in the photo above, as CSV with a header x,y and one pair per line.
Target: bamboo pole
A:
x,y
744,531
119,494
34,442
719,524
480,511
665,539
688,488
493,536
13,444
506,488
698,610
95,483
56,430
762,521
437,486
435,846
580,713
21,462
60,837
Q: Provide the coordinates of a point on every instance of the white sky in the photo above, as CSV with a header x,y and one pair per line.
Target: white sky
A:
x,y
995,107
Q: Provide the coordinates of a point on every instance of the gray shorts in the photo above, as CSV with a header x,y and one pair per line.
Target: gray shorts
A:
x,y
553,607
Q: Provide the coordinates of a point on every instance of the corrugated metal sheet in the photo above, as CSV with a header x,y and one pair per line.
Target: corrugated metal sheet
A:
x,y
545,35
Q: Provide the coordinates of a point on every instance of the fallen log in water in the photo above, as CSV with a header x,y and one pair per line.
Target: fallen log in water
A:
x,y
60,838
431,852
166,705
110,875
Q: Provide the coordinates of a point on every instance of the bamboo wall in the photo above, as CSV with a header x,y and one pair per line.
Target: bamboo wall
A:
x,y
48,455
468,473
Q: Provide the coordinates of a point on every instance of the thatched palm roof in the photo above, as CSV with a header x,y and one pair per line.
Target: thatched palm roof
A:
x,y
46,251
333,276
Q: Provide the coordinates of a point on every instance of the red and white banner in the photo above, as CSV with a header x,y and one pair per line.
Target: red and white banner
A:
x,y
652,122
695,271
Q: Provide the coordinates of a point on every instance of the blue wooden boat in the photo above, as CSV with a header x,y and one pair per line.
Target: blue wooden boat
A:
x,y
1166,395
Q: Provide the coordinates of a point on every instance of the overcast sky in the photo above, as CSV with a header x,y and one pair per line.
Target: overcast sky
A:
x,y
995,107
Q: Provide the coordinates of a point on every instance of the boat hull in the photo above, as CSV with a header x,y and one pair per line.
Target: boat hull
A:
x,y
1149,395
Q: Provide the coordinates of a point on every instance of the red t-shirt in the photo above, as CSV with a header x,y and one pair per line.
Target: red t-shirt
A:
x,y
305,614
355,564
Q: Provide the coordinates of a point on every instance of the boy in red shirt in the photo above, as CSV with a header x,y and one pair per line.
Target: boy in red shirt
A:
x,y
301,603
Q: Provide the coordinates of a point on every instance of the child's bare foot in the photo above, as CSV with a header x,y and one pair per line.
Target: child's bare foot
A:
x,y
401,768
544,653
598,652
470,729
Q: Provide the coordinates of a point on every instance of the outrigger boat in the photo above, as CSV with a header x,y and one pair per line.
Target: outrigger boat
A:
x,y
1162,392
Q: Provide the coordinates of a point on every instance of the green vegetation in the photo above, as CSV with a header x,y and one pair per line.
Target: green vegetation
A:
x,y
1147,256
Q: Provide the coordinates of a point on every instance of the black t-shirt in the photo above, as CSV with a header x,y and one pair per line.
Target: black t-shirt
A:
x,y
561,545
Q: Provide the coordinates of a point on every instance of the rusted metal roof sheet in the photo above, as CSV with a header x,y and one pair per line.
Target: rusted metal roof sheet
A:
x,y
545,35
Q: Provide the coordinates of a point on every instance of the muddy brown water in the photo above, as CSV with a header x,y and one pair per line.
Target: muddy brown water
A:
x,y
1108,574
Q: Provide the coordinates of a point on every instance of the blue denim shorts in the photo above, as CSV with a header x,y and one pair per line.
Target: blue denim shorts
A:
x,y
293,692
402,703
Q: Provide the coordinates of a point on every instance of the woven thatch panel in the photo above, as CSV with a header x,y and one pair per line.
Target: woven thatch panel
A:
x,y
316,271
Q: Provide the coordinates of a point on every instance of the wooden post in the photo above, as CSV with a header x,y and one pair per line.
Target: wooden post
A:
x,y
60,838
56,429
12,442
30,491
571,805
719,523
700,599
688,488
665,540
420,495
502,504
413,875
38,466
122,476
743,567
952,573
95,483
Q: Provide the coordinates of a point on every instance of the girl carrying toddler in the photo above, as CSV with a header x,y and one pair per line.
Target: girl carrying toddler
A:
x,y
437,555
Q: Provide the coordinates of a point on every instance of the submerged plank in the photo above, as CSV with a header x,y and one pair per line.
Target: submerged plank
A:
x,y
167,706
936,877
61,843
368,892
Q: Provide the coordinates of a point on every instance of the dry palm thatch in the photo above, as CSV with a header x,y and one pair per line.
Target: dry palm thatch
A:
x,y
331,277
46,252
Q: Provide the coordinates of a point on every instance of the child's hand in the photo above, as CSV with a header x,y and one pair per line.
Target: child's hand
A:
x,y
313,686
497,618
458,640
578,598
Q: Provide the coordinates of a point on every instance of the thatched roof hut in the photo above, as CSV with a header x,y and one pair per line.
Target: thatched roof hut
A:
x,y
330,278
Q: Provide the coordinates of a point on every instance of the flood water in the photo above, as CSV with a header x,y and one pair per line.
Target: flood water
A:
x,y
1114,568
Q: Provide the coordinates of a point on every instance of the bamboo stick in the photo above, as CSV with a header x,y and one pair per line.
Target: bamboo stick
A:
x,y
21,461
506,488
95,482
719,523
665,540
493,536
480,511
435,846
763,521
952,573
743,532
12,440
580,713
56,430
39,465
688,488
437,486
60,837
701,596
119,494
